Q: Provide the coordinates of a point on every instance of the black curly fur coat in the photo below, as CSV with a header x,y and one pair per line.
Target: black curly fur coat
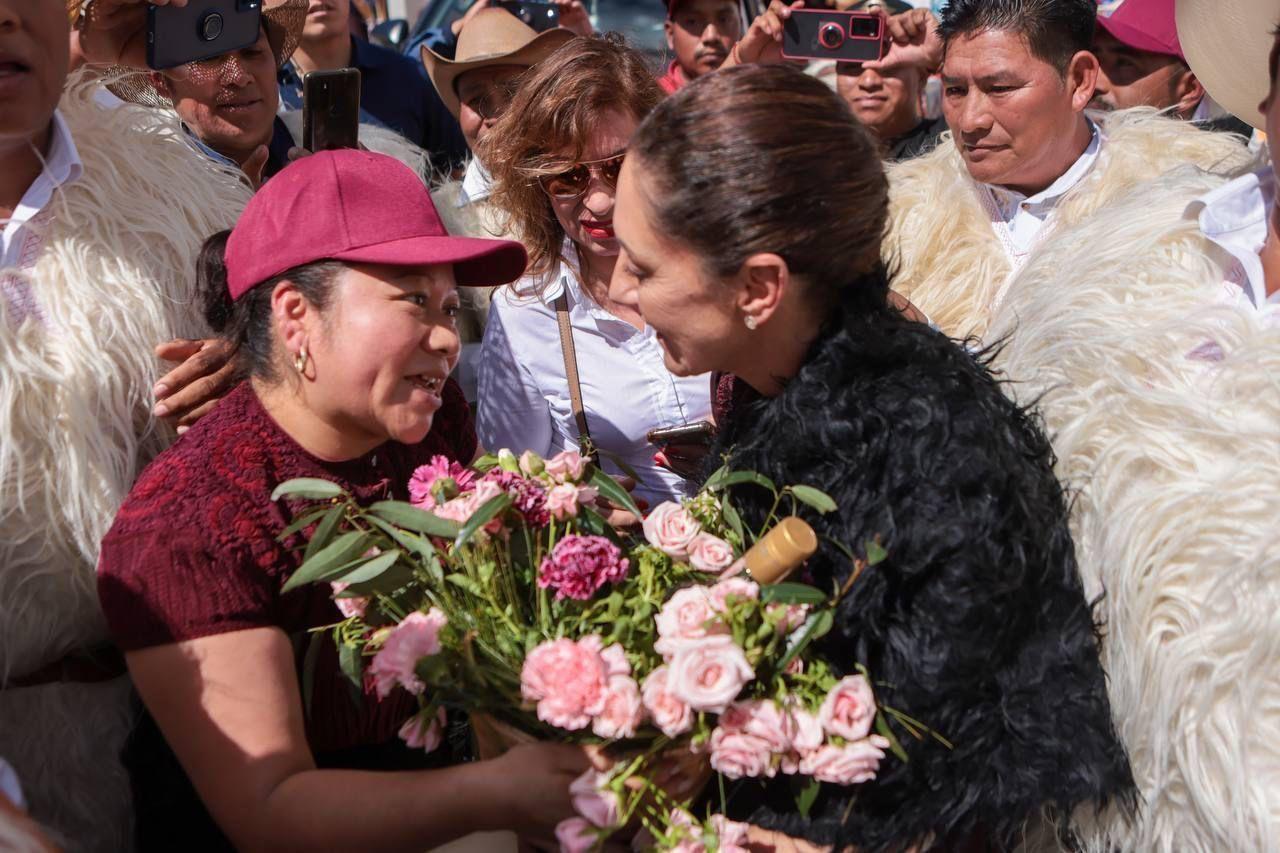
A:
x,y
976,624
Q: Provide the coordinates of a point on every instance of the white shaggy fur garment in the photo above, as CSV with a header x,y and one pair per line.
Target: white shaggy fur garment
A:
x,y
115,276
1164,408
948,260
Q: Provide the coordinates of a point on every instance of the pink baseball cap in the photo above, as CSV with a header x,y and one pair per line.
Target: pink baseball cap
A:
x,y
350,205
1145,25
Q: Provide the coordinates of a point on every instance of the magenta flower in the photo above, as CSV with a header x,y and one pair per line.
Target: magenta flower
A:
x,y
528,497
580,565
450,476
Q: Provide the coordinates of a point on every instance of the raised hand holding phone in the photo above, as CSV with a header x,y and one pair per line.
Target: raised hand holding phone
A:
x,y
331,110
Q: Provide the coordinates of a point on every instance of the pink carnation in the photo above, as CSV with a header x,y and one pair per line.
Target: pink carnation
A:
x,y
567,466
671,715
622,712
851,764
849,709
594,801
527,496
568,680
461,508
576,835
710,554
709,674
580,565
451,476
421,733
417,637
671,529
348,606
741,589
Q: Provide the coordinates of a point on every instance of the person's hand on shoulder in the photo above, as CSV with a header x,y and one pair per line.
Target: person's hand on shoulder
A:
x,y
206,371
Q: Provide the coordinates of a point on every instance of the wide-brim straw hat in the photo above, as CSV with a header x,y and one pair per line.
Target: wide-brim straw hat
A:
x,y
493,37
1227,44
281,19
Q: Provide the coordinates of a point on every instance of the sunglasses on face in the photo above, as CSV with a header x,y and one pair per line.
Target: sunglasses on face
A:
x,y
574,182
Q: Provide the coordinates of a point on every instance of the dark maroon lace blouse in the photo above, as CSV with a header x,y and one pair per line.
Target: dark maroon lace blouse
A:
x,y
193,551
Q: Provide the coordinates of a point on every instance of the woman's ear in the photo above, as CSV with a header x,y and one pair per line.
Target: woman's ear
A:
x,y
293,317
763,281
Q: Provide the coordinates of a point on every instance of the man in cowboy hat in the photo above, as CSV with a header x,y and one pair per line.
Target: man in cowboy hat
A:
x,y
103,211
1149,338
1141,64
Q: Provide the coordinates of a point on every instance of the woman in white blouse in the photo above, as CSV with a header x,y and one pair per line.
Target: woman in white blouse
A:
x,y
555,157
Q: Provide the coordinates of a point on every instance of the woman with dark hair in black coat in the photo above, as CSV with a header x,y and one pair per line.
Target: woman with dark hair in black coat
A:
x,y
751,211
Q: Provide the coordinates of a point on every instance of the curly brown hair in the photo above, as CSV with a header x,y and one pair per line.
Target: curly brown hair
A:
x,y
547,127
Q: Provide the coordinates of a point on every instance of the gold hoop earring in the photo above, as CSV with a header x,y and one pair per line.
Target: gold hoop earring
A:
x,y
300,360
751,321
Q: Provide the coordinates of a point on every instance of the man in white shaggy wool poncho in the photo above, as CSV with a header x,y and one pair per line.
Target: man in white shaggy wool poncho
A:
x,y
103,211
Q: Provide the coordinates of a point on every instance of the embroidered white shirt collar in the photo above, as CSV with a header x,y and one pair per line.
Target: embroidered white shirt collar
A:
x,y
20,241
1024,217
477,183
1234,217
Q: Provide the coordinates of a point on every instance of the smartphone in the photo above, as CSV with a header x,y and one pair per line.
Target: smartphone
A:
x,y
700,432
331,109
202,29
841,36
540,16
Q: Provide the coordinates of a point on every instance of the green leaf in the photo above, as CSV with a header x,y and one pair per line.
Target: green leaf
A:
x,y
485,463
305,520
371,569
882,728
594,523
489,510
792,593
732,519
815,498
307,487
714,481
331,559
324,531
411,518
351,663
413,544
875,552
807,797
737,477
815,626
466,583
609,488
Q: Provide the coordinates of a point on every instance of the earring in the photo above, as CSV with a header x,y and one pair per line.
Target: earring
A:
x,y
751,321
300,360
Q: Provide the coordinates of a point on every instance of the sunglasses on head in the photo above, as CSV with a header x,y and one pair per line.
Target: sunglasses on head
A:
x,y
574,182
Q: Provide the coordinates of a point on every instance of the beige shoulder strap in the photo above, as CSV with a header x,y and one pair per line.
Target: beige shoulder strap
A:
x,y
571,373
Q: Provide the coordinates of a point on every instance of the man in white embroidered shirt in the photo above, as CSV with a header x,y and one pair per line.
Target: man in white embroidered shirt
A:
x,y
1022,159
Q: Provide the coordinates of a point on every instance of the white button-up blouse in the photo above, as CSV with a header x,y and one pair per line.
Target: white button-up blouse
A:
x,y
626,388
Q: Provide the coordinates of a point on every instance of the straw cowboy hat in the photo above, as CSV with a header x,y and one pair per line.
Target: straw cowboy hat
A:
x,y
281,19
493,37
1227,44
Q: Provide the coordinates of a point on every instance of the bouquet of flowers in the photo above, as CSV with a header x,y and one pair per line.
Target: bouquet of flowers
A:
x,y
500,590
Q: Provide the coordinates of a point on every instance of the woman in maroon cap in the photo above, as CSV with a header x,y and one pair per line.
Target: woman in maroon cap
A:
x,y
339,287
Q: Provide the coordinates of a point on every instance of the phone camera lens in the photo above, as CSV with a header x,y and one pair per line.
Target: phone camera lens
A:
x,y
830,36
211,26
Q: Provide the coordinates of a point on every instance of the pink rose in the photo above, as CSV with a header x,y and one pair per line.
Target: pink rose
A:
x,y
580,565
709,674
672,716
790,617
687,615
531,464
622,712
761,718
594,801
576,835
567,466
421,733
740,588
568,680
731,836
671,529
739,755
851,764
348,606
804,735
417,637
709,553
849,709
562,501
442,475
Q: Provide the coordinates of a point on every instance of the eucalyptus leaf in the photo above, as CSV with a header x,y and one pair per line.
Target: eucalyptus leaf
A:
x,y
715,481
732,519
609,488
816,498
371,569
307,487
487,512
334,557
792,593
349,660
324,531
594,523
882,728
807,797
485,463
737,477
305,520
411,518
875,552
410,542
815,626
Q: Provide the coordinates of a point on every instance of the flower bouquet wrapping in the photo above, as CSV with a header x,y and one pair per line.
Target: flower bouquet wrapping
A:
x,y
500,590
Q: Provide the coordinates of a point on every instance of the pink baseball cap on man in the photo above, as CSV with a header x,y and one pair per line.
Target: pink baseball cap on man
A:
x,y
349,205
1145,25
